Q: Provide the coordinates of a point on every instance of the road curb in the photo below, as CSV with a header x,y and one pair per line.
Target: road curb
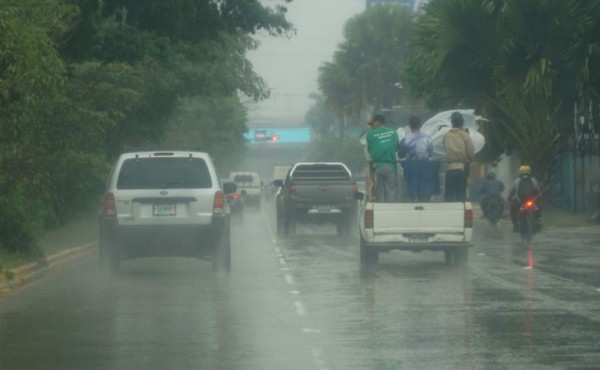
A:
x,y
32,271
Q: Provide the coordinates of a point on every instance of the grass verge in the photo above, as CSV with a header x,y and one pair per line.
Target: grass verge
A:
x,y
75,233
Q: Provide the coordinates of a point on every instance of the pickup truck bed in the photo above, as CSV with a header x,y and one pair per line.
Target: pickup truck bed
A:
x,y
414,226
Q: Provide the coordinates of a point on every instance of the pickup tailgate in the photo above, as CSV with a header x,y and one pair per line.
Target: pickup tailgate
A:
x,y
324,193
410,223
393,218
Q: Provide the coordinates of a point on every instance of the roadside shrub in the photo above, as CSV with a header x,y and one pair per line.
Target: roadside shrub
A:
x,y
17,231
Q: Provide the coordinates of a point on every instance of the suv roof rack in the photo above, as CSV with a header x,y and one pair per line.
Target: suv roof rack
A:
x,y
160,149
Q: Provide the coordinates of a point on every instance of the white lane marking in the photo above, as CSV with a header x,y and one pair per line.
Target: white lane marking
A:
x,y
482,254
300,308
282,262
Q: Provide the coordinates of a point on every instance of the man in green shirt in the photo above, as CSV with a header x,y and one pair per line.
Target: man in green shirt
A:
x,y
382,143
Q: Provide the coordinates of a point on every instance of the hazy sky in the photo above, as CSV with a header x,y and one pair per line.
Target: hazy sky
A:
x,y
290,66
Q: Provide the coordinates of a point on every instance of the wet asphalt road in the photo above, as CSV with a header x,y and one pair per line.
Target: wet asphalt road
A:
x,y
305,303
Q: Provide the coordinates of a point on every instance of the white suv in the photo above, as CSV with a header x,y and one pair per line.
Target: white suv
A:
x,y
165,203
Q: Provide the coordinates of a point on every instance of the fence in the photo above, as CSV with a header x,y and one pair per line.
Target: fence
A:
x,y
579,173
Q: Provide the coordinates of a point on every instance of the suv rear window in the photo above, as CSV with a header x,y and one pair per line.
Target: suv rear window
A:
x,y
164,173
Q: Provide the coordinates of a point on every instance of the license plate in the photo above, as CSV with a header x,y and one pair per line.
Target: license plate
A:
x,y
417,238
165,209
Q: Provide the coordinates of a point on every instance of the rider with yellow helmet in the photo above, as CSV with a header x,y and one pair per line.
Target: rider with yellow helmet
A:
x,y
523,188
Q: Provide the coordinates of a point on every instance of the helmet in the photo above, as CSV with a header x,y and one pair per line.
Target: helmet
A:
x,y
490,175
524,170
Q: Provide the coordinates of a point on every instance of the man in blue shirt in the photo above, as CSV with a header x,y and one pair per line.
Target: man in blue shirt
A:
x,y
420,172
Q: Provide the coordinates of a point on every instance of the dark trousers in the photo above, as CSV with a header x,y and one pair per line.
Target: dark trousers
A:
x,y
456,186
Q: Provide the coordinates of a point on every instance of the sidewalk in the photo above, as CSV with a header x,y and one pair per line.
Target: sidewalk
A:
x,y
64,245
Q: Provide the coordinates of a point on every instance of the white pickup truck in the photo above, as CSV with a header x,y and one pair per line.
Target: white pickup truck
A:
x,y
435,226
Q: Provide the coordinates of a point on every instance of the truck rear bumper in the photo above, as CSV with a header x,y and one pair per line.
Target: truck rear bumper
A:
x,y
415,247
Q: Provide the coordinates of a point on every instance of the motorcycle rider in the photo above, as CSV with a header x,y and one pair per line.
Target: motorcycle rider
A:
x,y
524,187
490,188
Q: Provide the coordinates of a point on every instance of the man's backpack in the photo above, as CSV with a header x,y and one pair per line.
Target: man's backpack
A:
x,y
526,188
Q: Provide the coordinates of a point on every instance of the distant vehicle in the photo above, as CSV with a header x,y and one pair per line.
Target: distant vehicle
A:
x,y
235,201
165,203
279,173
251,183
316,192
264,136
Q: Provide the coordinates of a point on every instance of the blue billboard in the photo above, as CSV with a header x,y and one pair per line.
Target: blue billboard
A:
x,y
278,135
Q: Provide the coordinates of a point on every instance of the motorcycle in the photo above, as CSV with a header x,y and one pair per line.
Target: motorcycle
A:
x,y
527,218
494,209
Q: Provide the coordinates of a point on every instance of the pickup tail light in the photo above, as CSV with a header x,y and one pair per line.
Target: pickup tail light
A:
x,y
468,218
219,202
110,206
369,219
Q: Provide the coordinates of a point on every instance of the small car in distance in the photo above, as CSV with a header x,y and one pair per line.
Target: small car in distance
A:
x,y
251,183
235,200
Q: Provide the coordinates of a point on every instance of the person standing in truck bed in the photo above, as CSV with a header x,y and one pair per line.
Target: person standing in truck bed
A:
x,y
382,143
420,172
459,155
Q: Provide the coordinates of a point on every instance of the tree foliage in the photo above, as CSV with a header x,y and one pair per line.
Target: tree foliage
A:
x,y
82,79
524,64
366,72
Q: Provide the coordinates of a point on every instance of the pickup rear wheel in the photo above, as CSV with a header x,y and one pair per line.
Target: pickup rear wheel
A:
x,y
456,256
280,226
368,257
290,225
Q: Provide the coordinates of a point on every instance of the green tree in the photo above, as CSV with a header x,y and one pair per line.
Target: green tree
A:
x,y
367,69
319,117
524,64
213,124
81,79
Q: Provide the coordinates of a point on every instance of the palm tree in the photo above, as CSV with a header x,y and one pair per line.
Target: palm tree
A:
x,y
367,66
524,64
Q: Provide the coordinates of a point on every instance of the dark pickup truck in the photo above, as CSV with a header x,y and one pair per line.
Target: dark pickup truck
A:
x,y
316,192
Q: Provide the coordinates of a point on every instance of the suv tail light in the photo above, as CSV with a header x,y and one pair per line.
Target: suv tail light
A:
x,y
110,206
468,218
369,219
219,202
